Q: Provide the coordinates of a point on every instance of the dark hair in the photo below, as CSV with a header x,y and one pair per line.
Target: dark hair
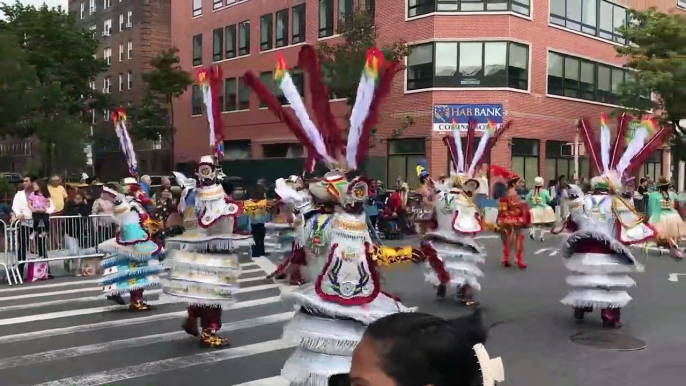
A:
x,y
423,349
642,180
423,179
561,177
42,187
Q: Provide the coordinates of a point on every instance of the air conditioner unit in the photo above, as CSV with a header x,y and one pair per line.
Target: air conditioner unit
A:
x,y
128,25
92,10
567,150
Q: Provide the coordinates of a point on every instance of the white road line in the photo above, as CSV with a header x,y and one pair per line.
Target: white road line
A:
x,y
273,381
251,270
248,280
675,276
120,323
265,264
486,237
97,310
54,293
72,352
259,288
55,285
156,367
68,301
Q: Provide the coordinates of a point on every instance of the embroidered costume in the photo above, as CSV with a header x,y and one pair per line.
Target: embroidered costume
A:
x,y
343,294
513,217
542,214
204,259
132,263
665,218
603,224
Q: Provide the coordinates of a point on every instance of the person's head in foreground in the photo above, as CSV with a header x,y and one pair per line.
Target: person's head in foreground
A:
x,y
417,349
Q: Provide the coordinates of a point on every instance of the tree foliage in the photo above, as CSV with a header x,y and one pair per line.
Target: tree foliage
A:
x,y
153,116
58,62
342,63
658,53
17,83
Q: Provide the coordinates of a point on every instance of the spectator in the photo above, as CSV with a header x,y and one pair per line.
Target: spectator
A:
x,y
165,205
145,184
104,222
24,216
482,193
414,348
78,226
257,221
39,202
58,194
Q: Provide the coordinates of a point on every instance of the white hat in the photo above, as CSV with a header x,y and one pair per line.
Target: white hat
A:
x,y
538,181
129,181
207,159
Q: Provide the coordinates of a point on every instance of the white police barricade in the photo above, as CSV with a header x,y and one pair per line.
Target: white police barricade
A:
x,y
67,238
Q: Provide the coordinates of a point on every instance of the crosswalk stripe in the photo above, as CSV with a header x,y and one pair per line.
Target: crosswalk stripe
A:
x,y
116,323
273,381
156,367
97,310
133,342
54,293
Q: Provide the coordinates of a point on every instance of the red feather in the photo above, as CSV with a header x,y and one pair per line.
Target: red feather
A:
x,y
499,171
622,124
471,131
452,149
591,143
491,142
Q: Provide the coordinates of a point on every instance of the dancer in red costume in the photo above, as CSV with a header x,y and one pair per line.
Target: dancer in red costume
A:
x,y
513,217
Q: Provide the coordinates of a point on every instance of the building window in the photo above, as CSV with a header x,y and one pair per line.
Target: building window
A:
x,y
197,50
574,77
106,4
218,44
298,26
91,7
237,149
121,22
106,115
129,19
230,98
559,160
468,64
403,157
283,150
599,18
129,80
243,95
268,81
196,100
217,4
197,8
107,28
107,55
325,18
652,168
107,85
129,49
230,41
525,159
423,7
244,38
121,82
282,28
345,9
83,10
121,52
681,3
266,32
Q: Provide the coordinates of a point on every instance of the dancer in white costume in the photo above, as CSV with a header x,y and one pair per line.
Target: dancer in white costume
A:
x,y
132,263
204,259
603,224
542,214
343,294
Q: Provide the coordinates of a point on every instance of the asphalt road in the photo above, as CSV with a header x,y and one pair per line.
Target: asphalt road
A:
x,y
62,333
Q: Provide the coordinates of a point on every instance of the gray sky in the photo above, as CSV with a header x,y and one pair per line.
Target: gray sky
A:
x,y
51,3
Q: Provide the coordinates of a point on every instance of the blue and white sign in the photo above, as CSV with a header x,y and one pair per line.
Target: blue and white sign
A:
x,y
445,117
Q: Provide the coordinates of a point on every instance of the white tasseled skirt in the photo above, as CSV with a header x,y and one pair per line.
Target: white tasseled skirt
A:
x,y
460,264
598,281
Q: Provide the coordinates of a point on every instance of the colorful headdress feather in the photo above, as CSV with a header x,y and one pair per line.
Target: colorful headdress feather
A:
x,y
468,162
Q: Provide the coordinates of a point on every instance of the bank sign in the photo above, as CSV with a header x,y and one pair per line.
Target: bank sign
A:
x,y
445,117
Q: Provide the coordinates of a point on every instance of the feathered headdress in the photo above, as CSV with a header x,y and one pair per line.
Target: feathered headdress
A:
x,y
608,158
499,171
465,163
422,168
325,142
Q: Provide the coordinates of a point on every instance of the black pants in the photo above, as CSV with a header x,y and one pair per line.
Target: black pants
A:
x,y
23,240
258,232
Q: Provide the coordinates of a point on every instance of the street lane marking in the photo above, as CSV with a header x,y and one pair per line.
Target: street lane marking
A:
x,y
55,285
72,352
273,381
486,237
121,323
553,251
54,293
97,310
675,276
156,367
265,264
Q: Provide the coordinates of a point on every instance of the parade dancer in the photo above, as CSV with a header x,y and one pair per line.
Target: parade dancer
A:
x,y
344,294
204,259
132,263
665,218
513,217
542,214
457,217
603,224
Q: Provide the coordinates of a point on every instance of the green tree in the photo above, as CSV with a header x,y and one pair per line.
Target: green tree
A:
x,y
17,84
153,117
62,55
658,53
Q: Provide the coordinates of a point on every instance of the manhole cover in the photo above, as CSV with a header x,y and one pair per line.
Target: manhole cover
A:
x,y
608,341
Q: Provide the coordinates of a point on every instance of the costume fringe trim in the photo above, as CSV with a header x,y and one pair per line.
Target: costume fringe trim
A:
x,y
128,252
150,285
140,272
196,302
201,269
323,335
597,299
601,281
306,368
599,264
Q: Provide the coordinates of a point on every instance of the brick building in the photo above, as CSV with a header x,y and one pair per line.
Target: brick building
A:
x,y
540,63
131,33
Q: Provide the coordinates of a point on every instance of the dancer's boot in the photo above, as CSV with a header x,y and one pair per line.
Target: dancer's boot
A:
x,y
611,318
519,251
190,325
137,303
506,252
211,323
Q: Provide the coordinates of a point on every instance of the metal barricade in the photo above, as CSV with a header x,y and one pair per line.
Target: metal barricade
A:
x,y
64,238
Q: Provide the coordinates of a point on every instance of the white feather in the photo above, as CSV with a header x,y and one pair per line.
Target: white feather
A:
x,y
479,152
457,137
360,111
605,147
632,149
295,100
